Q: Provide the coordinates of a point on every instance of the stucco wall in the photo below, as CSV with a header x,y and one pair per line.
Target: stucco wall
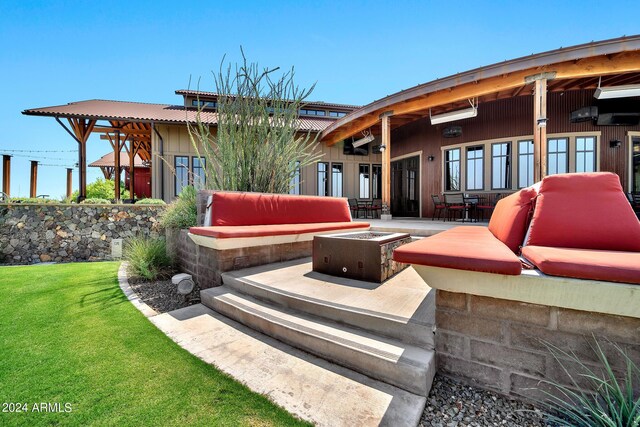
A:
x,y
33,233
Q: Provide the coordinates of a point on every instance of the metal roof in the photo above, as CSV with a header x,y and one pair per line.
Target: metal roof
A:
x,y
539,60
99,109
107,161
189,92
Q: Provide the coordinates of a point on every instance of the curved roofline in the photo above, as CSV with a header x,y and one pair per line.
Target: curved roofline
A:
x,y
604,47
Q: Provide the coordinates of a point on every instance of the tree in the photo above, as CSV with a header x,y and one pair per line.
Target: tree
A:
x,y
103,189
257,145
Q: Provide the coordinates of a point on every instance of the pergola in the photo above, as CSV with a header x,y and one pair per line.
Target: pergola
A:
x,y
126,125
106,164
606,63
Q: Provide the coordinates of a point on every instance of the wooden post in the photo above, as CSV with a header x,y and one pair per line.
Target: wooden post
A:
x,y
69,182
116,166
385,119
6,174
34,179
132,155
540,129
82,129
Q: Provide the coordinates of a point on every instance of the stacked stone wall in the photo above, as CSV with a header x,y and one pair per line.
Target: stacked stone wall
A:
x,y
33,233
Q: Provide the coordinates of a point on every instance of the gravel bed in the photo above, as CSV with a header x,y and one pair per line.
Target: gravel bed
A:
x,y
161,295
453,404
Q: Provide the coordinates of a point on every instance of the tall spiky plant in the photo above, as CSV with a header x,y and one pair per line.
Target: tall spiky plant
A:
x,y
256,145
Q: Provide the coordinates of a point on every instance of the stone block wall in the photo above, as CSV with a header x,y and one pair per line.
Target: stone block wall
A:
x,y
33,233
499,344
206,265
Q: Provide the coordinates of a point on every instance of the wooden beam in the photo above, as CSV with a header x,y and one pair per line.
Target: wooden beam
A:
x,y
6,174
132,170
540,129
594,66
69,182
386,165
33,184
116,164
82,129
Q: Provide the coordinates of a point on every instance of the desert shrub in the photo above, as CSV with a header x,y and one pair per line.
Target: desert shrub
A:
x,y
607,400
95,201
147,257
150,202
182,212
103,189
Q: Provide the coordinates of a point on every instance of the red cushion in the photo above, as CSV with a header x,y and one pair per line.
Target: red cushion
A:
x,y
462,248
586,211
510,217
611,266
236,208
226,232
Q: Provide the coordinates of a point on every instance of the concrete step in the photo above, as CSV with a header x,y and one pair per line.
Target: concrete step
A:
x,y
408,367
315,390
419,332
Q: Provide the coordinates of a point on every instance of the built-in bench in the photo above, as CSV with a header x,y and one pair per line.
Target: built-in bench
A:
x,y
558,263
247,229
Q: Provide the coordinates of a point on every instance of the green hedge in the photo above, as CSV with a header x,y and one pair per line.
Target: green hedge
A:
x,y
150,202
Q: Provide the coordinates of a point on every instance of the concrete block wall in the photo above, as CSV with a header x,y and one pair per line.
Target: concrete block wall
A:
x,y
206,265
499,344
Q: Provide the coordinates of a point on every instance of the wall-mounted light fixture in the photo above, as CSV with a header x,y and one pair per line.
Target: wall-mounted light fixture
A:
x,y
542,122
615,143
430,158
382,148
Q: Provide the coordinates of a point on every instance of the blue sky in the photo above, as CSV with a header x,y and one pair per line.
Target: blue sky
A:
x,y
52,53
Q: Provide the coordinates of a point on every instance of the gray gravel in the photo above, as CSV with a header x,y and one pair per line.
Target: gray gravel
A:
x,y
161,295
453,404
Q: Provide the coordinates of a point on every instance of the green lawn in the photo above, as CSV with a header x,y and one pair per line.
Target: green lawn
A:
x,y
69,335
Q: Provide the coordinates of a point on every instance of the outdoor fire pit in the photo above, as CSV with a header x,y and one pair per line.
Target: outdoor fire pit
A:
x,y
358,255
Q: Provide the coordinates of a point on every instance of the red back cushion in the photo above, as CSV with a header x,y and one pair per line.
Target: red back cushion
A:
x,y
584,211
510,218
236,208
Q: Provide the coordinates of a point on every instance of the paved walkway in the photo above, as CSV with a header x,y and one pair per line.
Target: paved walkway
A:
x,y
416,226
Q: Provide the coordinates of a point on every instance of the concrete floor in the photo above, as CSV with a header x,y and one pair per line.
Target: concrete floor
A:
x,y
417,226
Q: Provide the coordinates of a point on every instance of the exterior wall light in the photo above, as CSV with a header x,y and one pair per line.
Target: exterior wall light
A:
x,y
615,143
382,148
542,122
430,158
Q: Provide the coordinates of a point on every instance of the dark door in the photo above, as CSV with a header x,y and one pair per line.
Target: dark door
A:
x,y
405,187
635,166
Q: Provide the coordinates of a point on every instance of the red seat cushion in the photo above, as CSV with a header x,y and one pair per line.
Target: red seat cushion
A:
x,y
611,266
236,208
586,211
226,232
510,218
462,248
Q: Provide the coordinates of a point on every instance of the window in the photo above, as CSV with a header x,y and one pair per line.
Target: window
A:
x,y
206,104
364,181
323,179
295,183
501,165
586,154
307,112
475,169
557,159
337,114
181,166
198,171
336,179
376,184
525,163
452,170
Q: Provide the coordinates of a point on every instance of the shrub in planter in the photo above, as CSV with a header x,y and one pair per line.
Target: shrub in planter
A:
x,y
147,257
182,212
150,202
95,201
31,200
608,399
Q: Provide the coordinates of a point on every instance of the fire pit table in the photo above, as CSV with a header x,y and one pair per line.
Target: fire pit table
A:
x,y
358,255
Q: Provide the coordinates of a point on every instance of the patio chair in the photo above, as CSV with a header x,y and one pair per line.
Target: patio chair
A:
x,y
486,205
471,201
438,207
354,206
376,208
455,206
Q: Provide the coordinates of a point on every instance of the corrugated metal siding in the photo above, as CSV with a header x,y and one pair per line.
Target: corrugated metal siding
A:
x,y
508,118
